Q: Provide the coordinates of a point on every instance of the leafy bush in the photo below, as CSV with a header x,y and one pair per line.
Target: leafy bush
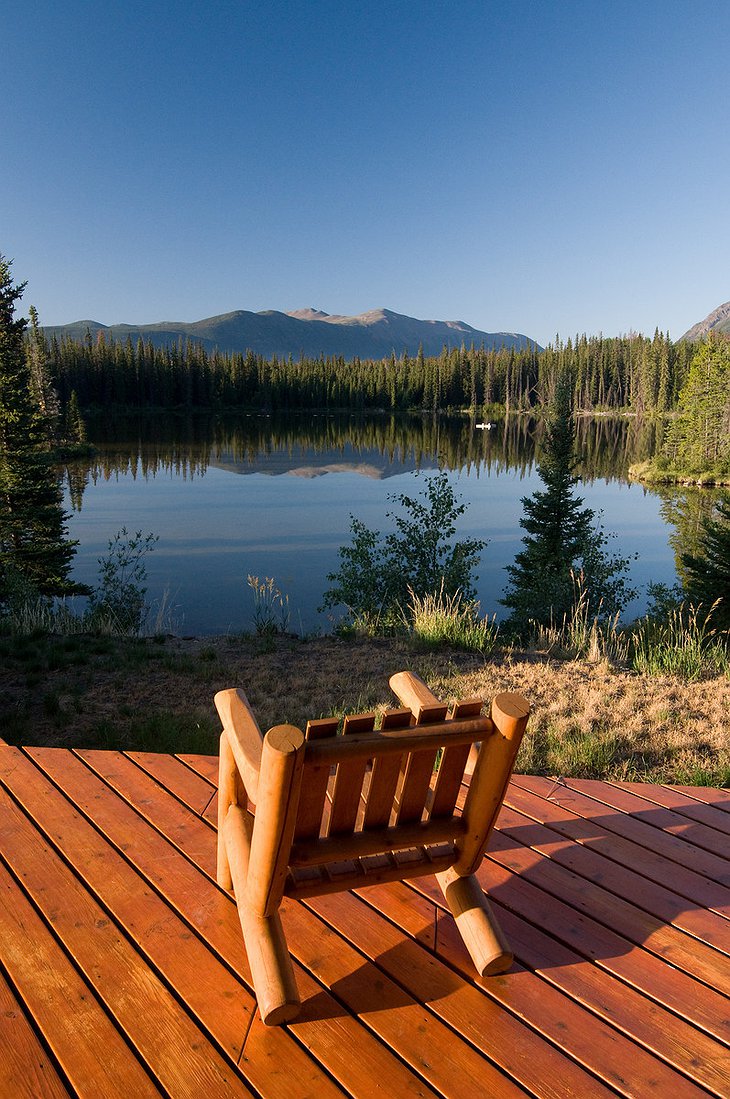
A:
x,y
117,604
377,573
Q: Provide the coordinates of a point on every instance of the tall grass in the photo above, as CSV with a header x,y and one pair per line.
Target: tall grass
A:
x,y
440,618
270,606
684,643
582,633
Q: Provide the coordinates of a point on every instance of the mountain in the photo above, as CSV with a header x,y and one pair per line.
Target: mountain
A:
x,y
372,335
716,321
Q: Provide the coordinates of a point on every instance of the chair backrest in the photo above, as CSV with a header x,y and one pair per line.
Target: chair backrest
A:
x,y
341,811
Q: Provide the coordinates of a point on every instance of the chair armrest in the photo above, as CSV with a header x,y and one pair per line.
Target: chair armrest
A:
x,y
416,696
244,736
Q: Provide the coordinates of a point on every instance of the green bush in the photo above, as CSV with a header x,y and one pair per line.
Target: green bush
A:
x,y
117,604
377,573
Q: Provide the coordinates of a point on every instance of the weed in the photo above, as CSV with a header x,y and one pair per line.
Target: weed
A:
x,y
582,633
581,753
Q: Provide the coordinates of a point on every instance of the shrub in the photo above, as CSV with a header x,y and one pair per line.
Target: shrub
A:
x,y
117,604
377,573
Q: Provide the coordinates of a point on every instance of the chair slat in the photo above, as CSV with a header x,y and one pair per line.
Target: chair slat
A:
x,y
467,707
384,776
419,771
448,780
314,786
349,780
416,784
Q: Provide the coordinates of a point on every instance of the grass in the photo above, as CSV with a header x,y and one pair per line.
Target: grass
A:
x,y
683,644
442,619
591,720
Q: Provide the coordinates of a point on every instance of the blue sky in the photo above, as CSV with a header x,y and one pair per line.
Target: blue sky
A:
x,y
526,166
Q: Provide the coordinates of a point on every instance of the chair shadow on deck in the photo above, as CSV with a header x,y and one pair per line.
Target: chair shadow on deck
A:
x,y
644,875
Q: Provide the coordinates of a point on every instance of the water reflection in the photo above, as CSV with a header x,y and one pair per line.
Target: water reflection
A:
x,y
273,495
311,445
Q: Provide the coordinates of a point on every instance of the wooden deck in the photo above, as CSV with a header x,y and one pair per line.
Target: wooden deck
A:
x,y
123,971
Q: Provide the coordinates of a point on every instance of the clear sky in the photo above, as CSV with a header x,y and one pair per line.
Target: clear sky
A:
x,y
522,165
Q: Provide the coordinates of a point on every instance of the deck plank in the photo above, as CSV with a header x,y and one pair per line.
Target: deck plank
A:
x,y
595,862
662,820
326,1029
168,944
527,883
706,815
600,1048
720,799
168,1041
673,1040
116,941
85,1043
26,1070
573,795
655,869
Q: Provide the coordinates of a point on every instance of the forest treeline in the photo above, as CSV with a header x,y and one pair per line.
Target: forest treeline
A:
x,y
632,372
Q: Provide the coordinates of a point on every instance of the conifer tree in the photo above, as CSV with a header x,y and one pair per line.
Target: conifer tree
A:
x,y
708,572
33,544
698,440
562,543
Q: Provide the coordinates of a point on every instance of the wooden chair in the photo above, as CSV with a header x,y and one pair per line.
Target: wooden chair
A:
x,y
340,812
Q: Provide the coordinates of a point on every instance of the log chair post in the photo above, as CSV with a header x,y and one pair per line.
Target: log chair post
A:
x,y
229,792
490,778
280,779
477,924
272,974
475,919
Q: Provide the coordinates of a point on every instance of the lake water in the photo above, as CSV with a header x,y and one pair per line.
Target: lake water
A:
x,y
273,497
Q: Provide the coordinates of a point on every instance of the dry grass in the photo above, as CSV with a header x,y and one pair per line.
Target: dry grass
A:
x,y
587,719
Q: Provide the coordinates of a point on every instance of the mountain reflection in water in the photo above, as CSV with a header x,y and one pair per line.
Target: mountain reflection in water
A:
x,y
300,479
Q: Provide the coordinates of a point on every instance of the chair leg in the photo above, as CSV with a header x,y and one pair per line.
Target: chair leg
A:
x,y
268,955
477,924
227,783
271,969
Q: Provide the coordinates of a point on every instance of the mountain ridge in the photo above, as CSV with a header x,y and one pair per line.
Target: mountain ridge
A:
x,y
716,321
376,334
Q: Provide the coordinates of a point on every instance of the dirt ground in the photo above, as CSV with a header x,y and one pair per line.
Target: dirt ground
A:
x,y
157,695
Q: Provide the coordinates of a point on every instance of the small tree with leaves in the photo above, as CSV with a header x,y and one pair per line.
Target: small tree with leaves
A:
x,y
378,575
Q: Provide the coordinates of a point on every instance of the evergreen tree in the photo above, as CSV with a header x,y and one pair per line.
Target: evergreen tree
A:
x,y
561,544
698,440
41,383
708,572
33,545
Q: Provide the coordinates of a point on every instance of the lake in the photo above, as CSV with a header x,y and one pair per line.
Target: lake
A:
x,y
272,496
